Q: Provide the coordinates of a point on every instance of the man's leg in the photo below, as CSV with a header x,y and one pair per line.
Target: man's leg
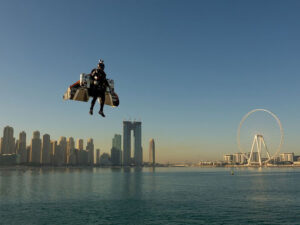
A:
x,y
102,96
92,104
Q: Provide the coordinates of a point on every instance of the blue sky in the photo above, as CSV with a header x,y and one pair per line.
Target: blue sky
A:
x,y
189,70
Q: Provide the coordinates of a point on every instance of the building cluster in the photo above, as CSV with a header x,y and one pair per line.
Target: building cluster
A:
x,y
241,158
65,152
44,151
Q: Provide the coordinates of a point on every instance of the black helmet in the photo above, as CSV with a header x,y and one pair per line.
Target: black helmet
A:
x,y
101,64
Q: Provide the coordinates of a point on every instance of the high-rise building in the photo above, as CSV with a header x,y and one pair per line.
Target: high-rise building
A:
x,y
46,149
52,152
115,152
115,156
70,150
79,144
8,141
83,157
117,141
128,126
90,149
151,152
62,143
36,148
97,157
21,147
58,154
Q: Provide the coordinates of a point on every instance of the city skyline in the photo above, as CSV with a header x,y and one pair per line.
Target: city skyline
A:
x,y
190,71
66,151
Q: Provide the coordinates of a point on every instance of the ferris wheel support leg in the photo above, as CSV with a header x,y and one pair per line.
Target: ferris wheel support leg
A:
x,y
253,143
269,157
258,144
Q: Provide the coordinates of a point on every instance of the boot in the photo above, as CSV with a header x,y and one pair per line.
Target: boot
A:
x,y
91,112
101,113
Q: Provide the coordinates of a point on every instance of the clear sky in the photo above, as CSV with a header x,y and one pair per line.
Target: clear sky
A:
x,y
189,70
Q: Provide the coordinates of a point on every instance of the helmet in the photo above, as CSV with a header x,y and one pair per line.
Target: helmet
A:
x,y
101,64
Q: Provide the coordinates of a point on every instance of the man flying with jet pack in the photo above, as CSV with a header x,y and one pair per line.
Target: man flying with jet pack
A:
x,y
94,85
98,86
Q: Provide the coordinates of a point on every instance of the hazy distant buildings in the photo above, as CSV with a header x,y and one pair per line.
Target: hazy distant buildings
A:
x,y
62,147
79,144
8,141
21,147
115,156
287,157
70,152
239,158
105,160
116,152
97,157
151,152
83,158
117,141
90,149
228,158
46,149
128,126
36,148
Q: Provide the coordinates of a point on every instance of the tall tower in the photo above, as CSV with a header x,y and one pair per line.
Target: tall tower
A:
x,y
21,148
128,126
62,147
116,141
90,149
126,143
79,144
152,152
36,148
8,141
46,149
138,151
116,153
97,157
70,150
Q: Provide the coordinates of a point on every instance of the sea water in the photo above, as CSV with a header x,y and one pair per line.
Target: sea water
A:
x,y
149,196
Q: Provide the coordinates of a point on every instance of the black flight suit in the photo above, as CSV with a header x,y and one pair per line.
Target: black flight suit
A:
x,y
98,87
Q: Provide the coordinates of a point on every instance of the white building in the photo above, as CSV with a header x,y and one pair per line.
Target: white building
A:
x,y
228,158
287,157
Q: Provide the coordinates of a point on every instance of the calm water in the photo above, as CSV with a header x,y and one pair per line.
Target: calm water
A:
x,y
160,196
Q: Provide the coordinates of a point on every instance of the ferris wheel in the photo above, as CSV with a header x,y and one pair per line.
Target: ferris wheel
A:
x,y
258,143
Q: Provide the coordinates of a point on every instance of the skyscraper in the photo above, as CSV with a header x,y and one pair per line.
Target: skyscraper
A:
x,y
58,155
90,149
115,156
8,141
21,147
115,152
97,157
152,152
70,150
128,126
36,148
79,144
46,149
117,141
62,143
